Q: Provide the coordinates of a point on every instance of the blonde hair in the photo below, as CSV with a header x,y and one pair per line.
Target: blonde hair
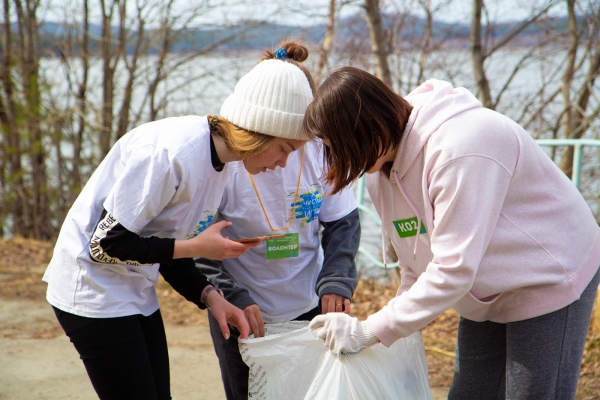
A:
x,y
241,142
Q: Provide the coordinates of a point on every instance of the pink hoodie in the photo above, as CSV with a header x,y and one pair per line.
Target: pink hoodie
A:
x,y
504,234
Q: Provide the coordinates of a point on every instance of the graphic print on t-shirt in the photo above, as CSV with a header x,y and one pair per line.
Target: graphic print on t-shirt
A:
x,y
308,206
203,224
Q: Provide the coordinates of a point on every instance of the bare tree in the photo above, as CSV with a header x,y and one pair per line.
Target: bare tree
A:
x,y
131,65
10,151
37,221
24,193
478,55
80,98
482,48
426,6
112,51
164,36
146,54
576,119
111,76
379,41
67,120
327,43
418,51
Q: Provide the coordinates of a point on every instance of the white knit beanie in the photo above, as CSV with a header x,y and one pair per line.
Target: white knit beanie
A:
x,y
270,99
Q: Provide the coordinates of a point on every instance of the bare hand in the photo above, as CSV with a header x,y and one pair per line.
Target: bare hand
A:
x,y
255,320
335,303
225,312
211,244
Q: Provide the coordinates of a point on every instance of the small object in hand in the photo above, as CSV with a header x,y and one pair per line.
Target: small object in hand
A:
x,y
259,238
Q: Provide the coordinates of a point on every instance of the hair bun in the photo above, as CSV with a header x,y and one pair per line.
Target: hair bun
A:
x,y
295,51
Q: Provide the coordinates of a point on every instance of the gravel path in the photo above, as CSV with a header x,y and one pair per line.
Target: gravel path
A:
x,y
39,362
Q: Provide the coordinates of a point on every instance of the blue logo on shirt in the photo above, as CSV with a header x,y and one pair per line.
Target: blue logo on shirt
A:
x,y
202,225
308,207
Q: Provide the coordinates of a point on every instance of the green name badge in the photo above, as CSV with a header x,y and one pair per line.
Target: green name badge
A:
x,y
287,247
408,227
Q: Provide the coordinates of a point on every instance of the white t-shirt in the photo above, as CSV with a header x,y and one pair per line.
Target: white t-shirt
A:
x,y
283,288
157,180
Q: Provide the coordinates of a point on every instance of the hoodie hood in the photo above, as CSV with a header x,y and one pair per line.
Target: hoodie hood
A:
x,y
434,102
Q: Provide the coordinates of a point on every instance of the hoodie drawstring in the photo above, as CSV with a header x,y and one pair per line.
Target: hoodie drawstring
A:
x,y
414,210
383,246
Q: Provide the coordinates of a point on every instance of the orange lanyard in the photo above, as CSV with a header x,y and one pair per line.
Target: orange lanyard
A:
x,y
295,199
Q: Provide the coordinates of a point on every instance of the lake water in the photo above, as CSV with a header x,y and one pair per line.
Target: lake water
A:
x,y
200,87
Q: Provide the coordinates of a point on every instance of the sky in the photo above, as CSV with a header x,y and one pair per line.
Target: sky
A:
x,y
310,12
307,12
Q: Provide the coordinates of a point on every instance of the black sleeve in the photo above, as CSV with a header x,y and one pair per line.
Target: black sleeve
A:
x,y
340,243
112,243
186,279
217,275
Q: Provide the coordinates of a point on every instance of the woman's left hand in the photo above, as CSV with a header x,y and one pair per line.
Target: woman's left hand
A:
x,y
335,303
225,312
211,244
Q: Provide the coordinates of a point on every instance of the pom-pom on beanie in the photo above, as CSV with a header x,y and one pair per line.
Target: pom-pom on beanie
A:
x,y
270,99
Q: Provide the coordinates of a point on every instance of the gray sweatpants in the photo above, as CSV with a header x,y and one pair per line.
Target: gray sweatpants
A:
x,y
538,358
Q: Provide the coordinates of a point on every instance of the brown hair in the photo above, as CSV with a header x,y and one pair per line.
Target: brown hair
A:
x,y
245,143
361,117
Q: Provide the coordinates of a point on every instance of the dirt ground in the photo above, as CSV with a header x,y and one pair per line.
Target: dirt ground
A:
x,y
39,362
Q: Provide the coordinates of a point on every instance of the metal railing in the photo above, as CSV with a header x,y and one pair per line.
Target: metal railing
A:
x,y
578,145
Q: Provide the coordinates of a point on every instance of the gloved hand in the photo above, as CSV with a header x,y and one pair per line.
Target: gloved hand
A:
x,y
342,333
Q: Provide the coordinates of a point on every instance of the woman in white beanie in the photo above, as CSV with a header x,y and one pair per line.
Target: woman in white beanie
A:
x,y
150,203
310,271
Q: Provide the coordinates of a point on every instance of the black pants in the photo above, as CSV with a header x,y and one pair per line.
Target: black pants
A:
x,y
234,372
125,357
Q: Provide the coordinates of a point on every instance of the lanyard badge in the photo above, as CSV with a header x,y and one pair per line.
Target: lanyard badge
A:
x,y
289,246
293,210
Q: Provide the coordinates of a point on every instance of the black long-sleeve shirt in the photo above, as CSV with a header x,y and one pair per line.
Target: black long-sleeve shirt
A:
x,y
112,243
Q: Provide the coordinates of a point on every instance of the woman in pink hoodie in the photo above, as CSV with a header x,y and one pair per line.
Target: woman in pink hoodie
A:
x,y
482,221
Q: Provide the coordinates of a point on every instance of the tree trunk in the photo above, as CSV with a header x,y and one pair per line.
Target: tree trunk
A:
x,y
107,80
123,118
478,56
327,44
6,118
378,42
16,198
566,162
428,33
39,228
159,75
81,100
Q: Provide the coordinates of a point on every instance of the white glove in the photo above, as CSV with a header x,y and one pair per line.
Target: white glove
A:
x,y
342,333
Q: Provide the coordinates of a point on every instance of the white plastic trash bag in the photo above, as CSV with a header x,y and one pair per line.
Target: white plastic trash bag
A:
x,y
290,362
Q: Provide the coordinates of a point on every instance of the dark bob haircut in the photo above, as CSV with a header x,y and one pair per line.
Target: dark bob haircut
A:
x,y
361,117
